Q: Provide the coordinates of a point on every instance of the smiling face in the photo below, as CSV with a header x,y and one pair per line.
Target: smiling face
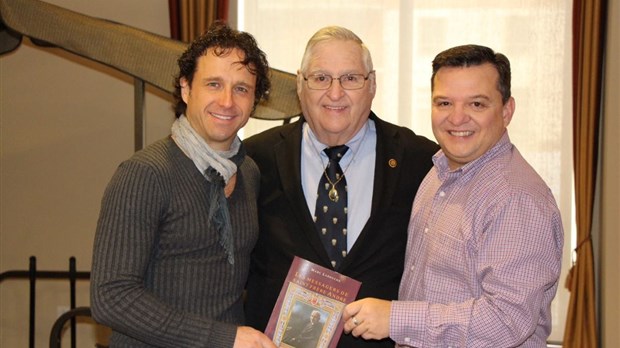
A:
x,y
220,98
315,316
336,114
468,116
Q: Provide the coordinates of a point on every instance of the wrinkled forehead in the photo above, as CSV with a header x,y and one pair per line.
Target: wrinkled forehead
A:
x,y
335,56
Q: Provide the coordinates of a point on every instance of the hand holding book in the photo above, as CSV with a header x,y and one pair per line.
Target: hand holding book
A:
x,y
368,318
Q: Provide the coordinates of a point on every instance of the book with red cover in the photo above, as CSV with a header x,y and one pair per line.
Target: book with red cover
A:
x,y
309,307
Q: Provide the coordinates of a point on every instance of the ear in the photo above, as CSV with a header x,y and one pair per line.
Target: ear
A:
x,y
184,89
373,85
300,81
508,110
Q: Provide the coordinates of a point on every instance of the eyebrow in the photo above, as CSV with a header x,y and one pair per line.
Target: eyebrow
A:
x,y
211,78
323,72
220,80
481,96
478,96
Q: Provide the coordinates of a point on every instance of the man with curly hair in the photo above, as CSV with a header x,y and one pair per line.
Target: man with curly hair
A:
x,y
178,219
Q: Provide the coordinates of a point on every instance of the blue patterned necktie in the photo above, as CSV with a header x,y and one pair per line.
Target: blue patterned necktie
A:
x,y
330,214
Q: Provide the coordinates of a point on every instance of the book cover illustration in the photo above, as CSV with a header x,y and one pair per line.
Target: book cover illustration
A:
x,y
309,307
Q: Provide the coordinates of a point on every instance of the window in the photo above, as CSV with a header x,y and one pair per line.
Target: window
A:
x,y
404,37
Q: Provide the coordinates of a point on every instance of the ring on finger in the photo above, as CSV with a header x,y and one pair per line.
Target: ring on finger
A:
x,y
355,322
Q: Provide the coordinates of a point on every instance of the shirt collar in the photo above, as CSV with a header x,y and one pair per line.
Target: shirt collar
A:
x,y
353,144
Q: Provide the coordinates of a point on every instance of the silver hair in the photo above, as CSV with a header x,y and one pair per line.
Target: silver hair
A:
x,y
335,33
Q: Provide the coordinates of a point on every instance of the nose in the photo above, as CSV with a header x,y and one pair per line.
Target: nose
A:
x,y
335,91
458,115
226,97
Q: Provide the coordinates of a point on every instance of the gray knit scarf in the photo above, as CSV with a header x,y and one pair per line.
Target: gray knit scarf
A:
x,y
217,167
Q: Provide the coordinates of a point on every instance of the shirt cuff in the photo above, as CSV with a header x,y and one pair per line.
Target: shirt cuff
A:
x,y
407,322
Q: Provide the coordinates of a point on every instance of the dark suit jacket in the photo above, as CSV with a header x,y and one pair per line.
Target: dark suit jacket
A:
x,y
286,227
308,337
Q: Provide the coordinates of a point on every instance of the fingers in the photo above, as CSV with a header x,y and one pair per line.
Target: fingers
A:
x,y
348,314
267,343
351,324
350,310
368,318
248,337
364,328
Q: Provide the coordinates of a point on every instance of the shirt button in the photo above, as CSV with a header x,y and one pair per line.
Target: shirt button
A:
x,y
426,230
442,193
407,339
412,268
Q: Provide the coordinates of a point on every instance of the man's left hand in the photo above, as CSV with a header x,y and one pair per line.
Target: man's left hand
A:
x,y
368,318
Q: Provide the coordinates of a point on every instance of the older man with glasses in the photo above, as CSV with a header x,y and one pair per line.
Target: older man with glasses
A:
x,y
337,185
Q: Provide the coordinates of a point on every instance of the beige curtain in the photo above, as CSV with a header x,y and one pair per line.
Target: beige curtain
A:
x,y
588,30
190,18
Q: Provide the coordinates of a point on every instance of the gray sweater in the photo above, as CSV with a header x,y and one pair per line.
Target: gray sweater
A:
x,y
160,277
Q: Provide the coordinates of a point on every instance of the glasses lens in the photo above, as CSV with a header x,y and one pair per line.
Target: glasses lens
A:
x,y
352,81
319,81
349,81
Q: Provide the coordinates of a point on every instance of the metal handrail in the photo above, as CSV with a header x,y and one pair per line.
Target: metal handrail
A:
x,y
122,47
32,274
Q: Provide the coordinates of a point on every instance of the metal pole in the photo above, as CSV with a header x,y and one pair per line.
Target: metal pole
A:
x,y
72,297
139,121
33,279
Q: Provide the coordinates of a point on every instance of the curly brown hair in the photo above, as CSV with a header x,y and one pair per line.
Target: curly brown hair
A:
x,y
223,39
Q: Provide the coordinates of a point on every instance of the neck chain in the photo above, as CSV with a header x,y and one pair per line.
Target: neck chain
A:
x,y
333,192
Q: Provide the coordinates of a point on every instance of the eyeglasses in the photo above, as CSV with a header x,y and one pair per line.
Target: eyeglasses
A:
x,y
347,81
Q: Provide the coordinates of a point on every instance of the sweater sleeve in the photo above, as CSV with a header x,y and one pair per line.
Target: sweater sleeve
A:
x,y
127,232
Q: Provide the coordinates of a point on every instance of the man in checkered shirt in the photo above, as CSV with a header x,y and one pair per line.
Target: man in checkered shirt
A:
x,y
485,235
